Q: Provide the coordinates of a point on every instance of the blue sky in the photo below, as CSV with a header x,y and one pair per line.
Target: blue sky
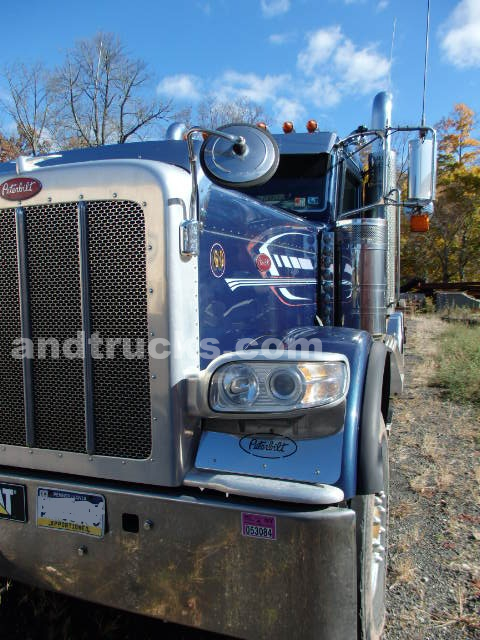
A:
x,y
300,59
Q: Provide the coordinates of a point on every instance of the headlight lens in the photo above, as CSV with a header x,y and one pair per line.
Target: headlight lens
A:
x,y
286,385
237,385
272,387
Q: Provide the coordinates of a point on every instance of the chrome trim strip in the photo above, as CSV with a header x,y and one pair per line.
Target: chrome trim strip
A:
x,y
26,326
396,365
265,488
86,326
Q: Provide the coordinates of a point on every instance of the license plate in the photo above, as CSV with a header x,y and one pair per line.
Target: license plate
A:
x,y
71,511
12,502
256,525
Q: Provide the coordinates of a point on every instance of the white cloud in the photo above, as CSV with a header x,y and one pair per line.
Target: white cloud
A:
x,y
361,69
460,35
321,45
271,8
288,109
250,85
382,5
330,69
338,67
181,87
323,92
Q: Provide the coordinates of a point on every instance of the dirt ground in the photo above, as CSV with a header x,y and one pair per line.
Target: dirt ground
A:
x,y
434,547
434,563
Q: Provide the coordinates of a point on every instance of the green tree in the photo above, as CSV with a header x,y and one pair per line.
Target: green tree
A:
x,y
451,248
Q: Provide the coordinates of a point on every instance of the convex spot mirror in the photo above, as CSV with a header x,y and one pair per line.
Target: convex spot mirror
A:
x,y
234,165
422,168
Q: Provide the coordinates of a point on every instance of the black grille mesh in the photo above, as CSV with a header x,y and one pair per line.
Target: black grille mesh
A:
x,y
117,265
12,420
119,310
55,311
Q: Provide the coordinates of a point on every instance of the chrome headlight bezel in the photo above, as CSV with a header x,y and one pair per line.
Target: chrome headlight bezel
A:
x,y
208,397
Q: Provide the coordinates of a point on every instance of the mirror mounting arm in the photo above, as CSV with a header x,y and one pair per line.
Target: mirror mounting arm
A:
x,y
239,147
189,228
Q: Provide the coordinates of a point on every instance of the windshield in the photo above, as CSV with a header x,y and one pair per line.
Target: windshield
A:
x,y
299,184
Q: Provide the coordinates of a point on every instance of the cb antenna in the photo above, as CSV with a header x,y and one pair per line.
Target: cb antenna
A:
x,y
427,33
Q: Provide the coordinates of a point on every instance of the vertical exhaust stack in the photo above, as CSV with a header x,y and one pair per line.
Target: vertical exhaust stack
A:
x,y
377,189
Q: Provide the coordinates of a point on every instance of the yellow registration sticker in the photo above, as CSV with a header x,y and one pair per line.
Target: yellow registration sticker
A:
x,y
71,511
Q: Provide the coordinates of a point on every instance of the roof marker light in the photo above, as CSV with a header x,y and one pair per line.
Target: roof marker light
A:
x,y
288,127
262,125
312,126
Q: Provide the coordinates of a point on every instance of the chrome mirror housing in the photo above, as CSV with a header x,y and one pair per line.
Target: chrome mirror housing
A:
x,y
422,166
249,161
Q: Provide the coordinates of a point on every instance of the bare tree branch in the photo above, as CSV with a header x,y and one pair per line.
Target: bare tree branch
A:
x,y
106,92
30,103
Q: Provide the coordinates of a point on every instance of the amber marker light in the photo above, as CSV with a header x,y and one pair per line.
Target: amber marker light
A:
x,y
312,126
419,223
262,125
287,127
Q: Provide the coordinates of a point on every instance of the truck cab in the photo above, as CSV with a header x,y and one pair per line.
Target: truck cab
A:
x,y
196,366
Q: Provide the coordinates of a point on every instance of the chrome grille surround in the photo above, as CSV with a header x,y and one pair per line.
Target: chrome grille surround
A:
x,y
171,292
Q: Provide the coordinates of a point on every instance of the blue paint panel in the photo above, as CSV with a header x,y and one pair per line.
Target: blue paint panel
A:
x,y
355,345
246,301
331,459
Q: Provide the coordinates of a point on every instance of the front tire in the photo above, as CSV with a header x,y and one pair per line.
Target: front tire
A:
x,y
372,540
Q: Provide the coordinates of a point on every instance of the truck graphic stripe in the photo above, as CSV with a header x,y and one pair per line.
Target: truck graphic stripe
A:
x,y
236,283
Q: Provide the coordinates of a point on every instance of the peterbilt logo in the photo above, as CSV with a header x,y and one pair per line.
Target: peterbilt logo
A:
x,y
20,188
267,445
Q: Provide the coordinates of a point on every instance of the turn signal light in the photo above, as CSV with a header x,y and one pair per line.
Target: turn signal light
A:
x,y
312,126
262,125
287,127
419,223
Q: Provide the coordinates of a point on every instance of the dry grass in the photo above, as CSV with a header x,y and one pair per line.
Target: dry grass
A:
x,y
403,509
458,370
459,617
403,571
434,576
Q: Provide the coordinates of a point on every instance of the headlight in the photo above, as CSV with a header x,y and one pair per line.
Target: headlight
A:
x,y
238,386
267,387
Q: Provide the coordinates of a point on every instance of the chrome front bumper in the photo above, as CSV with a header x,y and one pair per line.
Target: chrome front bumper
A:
x,y
192,565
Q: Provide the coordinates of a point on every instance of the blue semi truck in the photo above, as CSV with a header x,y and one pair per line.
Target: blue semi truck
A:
x,y
198,343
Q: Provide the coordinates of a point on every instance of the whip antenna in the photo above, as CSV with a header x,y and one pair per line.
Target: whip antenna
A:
x,y
426,63
391,55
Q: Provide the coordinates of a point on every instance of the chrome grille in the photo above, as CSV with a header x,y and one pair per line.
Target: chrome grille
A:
x,y
117,309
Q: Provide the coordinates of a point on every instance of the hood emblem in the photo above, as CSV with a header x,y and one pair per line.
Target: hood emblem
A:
x,y
20,188
268,445
217,260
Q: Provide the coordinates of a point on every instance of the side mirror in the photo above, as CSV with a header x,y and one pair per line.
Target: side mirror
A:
x,y
234,156
422,169
239,155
